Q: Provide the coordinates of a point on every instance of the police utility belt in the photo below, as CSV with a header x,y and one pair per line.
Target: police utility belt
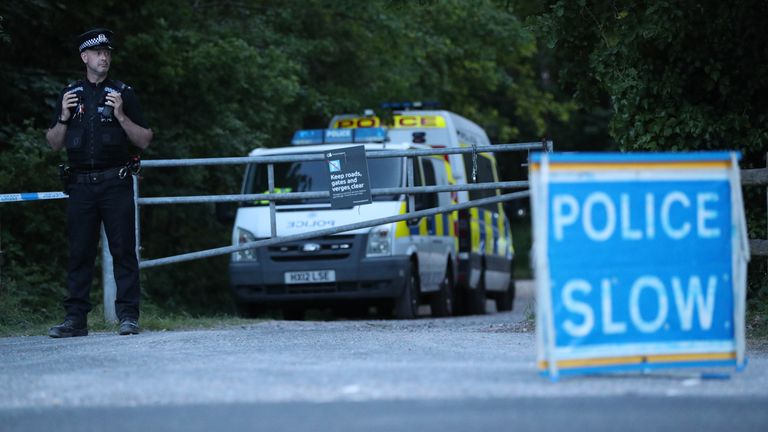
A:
x,y
98,176
69,176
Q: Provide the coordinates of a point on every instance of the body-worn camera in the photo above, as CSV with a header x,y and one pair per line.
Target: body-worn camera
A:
x,y
106,112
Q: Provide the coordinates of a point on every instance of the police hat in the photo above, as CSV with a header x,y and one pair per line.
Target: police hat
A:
x,y
98,38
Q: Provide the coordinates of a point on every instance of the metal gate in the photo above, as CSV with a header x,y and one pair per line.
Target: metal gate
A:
x,y
272,197
107,271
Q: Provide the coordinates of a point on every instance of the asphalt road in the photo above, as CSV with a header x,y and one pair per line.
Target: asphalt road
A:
x,y
457,374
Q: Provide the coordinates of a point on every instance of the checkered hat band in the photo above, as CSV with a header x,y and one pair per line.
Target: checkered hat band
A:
x,y
98,40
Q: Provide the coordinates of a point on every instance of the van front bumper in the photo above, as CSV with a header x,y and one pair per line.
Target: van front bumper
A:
x,y
369,278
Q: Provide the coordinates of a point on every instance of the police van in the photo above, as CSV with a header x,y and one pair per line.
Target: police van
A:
x,y
486,253
396,266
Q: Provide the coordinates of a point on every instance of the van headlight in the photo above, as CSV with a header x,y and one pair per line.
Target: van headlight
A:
x,y
379,241
244,236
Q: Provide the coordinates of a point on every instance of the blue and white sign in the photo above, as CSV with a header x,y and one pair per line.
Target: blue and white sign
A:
x,y
640,261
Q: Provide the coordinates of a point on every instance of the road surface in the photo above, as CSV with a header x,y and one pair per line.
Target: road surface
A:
x,y
452,374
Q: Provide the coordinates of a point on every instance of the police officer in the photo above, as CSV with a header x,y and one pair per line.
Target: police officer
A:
x,y
97,119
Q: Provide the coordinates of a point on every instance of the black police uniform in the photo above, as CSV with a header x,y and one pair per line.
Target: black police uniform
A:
x,y
97,149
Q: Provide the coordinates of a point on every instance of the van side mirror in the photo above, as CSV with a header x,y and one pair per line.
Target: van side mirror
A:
x,y
226,211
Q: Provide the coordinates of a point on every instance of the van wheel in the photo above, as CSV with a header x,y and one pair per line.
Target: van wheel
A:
x,y
476,298
443,301
506,300
407,305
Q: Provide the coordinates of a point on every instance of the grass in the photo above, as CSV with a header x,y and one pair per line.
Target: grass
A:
x,y
757,321
521,239
757,303
151,319
154,320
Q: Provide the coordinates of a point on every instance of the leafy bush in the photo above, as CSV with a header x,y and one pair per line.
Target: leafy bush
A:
x,y
219,79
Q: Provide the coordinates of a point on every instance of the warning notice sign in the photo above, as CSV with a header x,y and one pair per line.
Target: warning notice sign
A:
x,y
349,183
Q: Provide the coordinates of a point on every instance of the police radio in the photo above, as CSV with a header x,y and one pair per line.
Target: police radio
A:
x,y
77,90
108,109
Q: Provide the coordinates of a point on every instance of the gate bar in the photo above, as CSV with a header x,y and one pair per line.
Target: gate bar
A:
x,y
328,231
319,156
325,194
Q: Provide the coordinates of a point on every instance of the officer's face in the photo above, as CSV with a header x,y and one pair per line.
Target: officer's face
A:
x,y
97,60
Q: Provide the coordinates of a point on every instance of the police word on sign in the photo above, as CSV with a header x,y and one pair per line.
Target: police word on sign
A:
x,y
656,215
638,261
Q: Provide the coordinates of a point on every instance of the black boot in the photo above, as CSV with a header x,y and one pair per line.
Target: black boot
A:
x,y
129,326
69,328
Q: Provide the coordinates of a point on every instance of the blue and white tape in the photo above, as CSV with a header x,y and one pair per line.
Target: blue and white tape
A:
x,y
32,196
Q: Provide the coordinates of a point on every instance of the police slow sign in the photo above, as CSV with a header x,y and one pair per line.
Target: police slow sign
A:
x,y
640,261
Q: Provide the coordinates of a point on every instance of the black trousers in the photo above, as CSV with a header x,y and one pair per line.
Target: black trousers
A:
x,y
109,200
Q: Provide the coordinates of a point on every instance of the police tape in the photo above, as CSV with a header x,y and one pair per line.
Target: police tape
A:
x,y
32,196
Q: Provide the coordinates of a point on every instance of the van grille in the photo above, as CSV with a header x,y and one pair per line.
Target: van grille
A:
x,y
326,248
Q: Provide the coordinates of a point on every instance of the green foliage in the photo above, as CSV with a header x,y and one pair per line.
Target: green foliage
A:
x,y
679,75
757,301
523,243
32,236
222,78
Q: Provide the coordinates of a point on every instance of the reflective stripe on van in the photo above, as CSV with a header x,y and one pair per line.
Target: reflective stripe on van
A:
x,y
492,240
441,224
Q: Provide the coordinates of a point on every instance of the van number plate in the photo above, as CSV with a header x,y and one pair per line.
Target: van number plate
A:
x,y
314,276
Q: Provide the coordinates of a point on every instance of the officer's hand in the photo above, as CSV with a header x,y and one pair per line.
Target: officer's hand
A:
x,y
69,101
115,100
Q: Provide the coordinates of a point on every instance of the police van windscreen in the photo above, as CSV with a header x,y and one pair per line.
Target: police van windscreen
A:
x,y
312,176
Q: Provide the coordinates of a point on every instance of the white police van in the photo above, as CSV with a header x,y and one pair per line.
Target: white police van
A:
x,y
395,266
486,253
